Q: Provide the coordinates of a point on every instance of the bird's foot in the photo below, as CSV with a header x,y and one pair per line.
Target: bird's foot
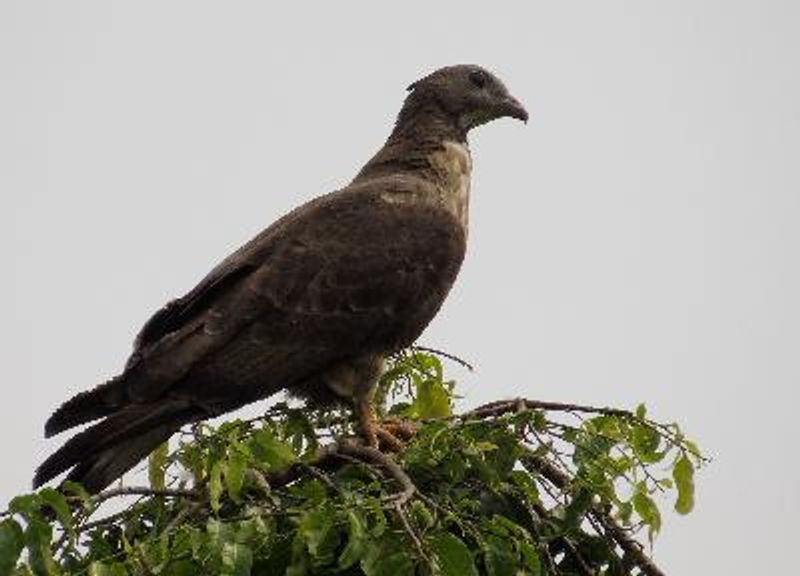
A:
x,y
394,433
389,435
405,430
388,441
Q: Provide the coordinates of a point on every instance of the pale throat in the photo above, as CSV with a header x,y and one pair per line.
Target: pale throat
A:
x,y
452,165
447,182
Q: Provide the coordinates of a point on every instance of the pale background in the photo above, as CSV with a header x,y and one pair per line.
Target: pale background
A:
x,y
637,241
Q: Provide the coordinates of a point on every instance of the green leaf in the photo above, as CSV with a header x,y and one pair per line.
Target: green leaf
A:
x,y
11,544
313,491
73,489
27,505
192,458
252,531
526,484
299,558
56,500
299,430
484,446
237,559
179,567
539,421
577,509
683,474
422,515
38,535
356,543
215,486
319,532
432,401
379,562
499,558
451,555
530,557
157,466
647,510
666,483
645,441
427,364
104,569
219,533
234,474
274,453
625,512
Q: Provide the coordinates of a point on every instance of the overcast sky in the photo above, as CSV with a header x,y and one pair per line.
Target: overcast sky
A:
x,y
638,240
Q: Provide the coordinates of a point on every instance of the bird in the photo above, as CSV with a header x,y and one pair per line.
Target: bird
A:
x,y
313,304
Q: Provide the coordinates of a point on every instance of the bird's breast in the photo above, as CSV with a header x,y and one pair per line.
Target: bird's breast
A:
x,y
442,178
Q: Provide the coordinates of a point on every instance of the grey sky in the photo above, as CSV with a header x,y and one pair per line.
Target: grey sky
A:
x,y
637,241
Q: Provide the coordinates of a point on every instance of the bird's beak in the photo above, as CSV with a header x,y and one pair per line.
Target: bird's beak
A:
x,y
512,108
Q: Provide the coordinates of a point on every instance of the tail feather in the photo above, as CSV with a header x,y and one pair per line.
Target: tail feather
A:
x,y
87,406
115,444
98,472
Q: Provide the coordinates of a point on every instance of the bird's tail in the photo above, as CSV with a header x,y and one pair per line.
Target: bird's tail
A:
x,y
102,453
101,401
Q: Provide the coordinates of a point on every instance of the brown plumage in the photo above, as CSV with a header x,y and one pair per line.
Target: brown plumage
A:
x,y
312,304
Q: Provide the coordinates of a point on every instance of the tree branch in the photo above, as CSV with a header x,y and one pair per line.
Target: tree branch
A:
x,y
365,453
560,480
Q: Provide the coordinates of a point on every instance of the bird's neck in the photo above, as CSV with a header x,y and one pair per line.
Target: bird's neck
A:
x,y
424,118
421,130
426,147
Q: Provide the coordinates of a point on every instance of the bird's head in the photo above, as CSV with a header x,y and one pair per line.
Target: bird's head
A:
x,y
467,94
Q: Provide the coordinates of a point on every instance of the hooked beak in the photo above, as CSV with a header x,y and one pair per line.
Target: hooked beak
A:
x,y
512,108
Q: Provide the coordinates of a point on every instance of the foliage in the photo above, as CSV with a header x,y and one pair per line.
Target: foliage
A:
x,y
511,488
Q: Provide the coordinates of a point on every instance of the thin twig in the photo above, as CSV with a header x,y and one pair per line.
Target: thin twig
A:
x,y
447,355
500,407
401,513
617,533
324,478
145,563
628,544
184,513
143,491
102,521
543,513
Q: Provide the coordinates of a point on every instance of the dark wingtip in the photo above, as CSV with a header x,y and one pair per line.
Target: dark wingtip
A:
x,y
45,472
59,420
86,406
38,480
52,426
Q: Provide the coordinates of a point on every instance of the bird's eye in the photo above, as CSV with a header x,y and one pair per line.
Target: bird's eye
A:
x,y
478,79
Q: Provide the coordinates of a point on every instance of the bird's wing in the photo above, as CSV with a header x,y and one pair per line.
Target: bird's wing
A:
x,y
347,276
179,312
349,271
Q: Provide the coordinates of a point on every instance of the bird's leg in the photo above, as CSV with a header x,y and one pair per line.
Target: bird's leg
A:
x,y
365,413
375,436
